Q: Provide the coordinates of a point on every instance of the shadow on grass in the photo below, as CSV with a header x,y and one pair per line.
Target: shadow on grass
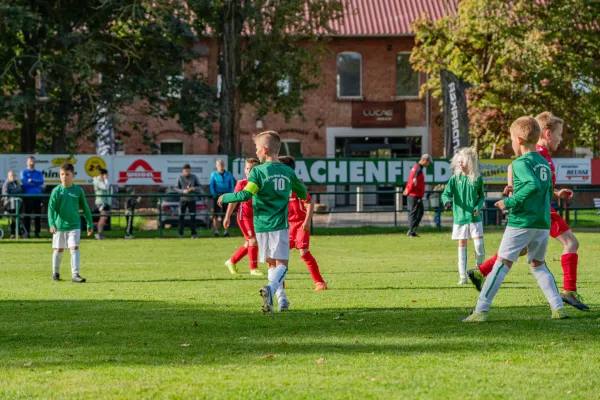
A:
x,y
80,334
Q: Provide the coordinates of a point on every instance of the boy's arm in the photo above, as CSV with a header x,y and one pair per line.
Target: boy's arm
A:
x,y
87,213
299,188
447,195
531,187
310,209
101,184
51,210
410,182
178,188
481,194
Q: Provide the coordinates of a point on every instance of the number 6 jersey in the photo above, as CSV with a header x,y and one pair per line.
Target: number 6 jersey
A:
x,y
530,204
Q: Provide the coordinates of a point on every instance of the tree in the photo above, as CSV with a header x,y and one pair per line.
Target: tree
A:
x,y
270,55
522,57
67,65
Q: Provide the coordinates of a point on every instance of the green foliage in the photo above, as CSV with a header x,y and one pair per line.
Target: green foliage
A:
x,y
523,58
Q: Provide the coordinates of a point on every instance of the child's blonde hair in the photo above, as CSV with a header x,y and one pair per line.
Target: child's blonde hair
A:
x,y
270,139
252,161
547,120
527,129
469,156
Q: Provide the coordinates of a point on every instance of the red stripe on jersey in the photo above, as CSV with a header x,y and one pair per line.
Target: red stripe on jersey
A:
x,y
546,154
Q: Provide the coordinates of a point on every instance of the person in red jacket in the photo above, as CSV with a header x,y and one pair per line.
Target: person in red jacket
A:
x,y
415,190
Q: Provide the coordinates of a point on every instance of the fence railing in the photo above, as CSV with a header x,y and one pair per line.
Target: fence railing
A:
x,y
159,211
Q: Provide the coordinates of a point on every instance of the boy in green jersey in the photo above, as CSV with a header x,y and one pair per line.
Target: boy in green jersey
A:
x,y
64,221
528,223
464,192
269,186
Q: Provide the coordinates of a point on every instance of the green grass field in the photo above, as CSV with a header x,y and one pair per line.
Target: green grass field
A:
x,y
164,319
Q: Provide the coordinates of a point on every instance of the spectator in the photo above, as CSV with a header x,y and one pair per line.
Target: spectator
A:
x,y
131,204
186,184
33,183
221,182
11,204
415,190
103,200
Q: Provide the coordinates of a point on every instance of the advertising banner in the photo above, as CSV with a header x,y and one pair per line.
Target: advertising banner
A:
x,y
456,116
573,171
86,166
494,172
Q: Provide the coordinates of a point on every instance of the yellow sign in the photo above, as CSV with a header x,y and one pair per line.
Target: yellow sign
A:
x,y
93,164
494,172
58,161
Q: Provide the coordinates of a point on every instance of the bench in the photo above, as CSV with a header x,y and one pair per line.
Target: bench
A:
x,y
597,205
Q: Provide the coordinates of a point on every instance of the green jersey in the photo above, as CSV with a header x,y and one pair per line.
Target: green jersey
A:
x,y
271,184
466,198
63,209
530,203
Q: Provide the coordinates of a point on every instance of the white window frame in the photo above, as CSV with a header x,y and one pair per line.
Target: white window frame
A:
x,y
172,141
285,141
396,82
337,75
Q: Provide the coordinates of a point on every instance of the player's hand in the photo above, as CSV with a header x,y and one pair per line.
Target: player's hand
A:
x,y
508,190
226,222
53,230
220,201
192,189
90,232
500,205
306,226
186,191
565,194
476,213
405,192
29,180
448,205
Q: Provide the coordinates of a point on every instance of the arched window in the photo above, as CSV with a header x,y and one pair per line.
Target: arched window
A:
x,y
349,75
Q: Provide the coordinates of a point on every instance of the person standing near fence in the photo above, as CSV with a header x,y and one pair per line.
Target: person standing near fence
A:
x,y
187,184
131,204
33,184
415,190
103,200
221,182
12,204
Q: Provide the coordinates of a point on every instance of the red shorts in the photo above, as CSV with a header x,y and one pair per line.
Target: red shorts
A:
x,y
247,227
298,238
558,225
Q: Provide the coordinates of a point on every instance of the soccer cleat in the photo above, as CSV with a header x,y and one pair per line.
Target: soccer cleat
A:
x,y
97,237
476,278
267,298
129,237
413,234
216,234
476,317
194,236
180,236
233,269
225,234
574,299
283,305
78,279
463,281
256,272
560,313
56,277
321,286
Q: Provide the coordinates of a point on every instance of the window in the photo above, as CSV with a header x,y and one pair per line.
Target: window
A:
x,y
349,75
173,147
290,147
175,83
407,79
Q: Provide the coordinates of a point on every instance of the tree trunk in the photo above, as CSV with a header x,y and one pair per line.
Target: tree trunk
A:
x,y
28,130
230,66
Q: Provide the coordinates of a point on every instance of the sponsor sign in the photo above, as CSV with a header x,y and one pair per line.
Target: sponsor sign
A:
x,y
49,164
494,172
378,115
573,171
456,116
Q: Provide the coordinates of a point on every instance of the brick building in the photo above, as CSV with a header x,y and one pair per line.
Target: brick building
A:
x,y
368,104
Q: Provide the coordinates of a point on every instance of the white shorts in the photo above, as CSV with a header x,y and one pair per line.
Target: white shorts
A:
x,y
516,239
274,245
66,240
467,231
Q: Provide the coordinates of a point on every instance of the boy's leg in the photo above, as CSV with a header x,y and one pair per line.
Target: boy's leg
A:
x,y
275,249
460,233
73,243
253,254
129,230
192,210
477,235
58,244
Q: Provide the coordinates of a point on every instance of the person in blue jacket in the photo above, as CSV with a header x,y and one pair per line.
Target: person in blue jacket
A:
x,y
221,182
32,182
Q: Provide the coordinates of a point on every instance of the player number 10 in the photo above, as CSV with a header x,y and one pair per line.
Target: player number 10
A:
x,y
543,174
279,184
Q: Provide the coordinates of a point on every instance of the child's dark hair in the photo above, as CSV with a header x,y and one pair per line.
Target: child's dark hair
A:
x,y
186,166
130,190
289,161
68,167
101,170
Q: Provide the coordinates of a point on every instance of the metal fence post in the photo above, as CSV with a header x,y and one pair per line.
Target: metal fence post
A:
x,y
160,225
17,218
359,199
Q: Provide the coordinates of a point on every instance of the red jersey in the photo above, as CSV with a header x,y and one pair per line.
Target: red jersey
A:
x,y
415,185
546,154
297,208
245,209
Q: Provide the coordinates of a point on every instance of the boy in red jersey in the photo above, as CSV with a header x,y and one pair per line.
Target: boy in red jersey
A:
x,y
550,138
299,216
245,220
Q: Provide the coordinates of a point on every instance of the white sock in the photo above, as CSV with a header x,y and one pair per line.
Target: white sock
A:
x,y
491,286
479,252
276,277
280,293
75,262
56,259
548,285
462,262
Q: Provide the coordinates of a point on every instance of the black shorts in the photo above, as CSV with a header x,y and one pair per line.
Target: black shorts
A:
x,y
218,211
104,207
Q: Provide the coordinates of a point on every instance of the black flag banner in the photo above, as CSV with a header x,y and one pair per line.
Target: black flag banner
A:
x,y
456,117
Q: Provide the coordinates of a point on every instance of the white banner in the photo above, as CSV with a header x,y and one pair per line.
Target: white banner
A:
x,y
160,170
573,171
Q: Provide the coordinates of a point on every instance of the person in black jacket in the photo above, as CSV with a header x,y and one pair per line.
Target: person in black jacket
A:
x,y
131,204
188,184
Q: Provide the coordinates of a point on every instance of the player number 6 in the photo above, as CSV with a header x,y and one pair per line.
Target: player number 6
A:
x,y
543,174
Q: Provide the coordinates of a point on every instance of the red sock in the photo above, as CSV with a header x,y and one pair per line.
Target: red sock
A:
x,y
488,265
569,266
313,267
253,256
239,254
